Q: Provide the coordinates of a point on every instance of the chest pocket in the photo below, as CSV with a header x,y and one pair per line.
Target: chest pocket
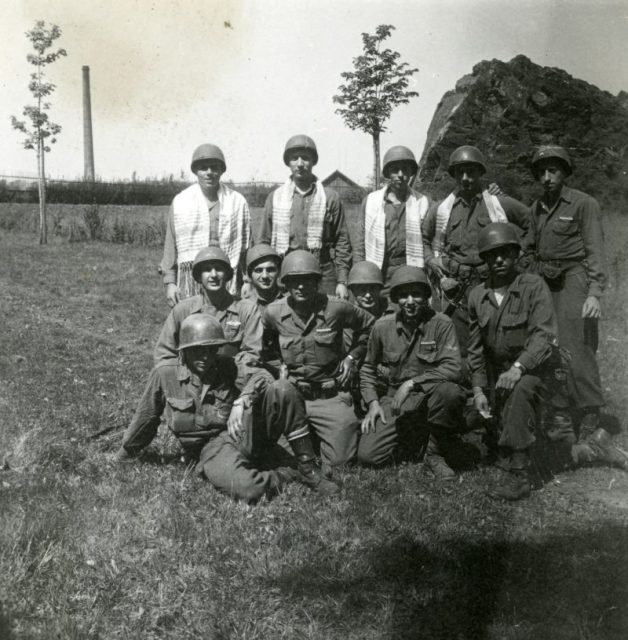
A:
x,y
427,351
327,347
290,347
183,414
565,226
515,331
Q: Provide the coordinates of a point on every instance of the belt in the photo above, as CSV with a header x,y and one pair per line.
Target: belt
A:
x,y
318,390
467,271
563,265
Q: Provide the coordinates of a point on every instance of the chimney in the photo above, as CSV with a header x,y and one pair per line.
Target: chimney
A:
x,y
88,140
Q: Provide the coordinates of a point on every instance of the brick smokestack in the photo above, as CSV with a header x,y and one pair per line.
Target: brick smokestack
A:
x,y
88,140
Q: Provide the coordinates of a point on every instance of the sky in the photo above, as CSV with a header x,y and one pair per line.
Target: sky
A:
x,y
168,75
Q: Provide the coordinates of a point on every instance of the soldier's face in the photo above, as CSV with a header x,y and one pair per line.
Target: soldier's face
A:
x,y
264,275
302,288
399,174
199,360
468,176
366,295
208,173
214,276
300,163
413,300
551,175
501,261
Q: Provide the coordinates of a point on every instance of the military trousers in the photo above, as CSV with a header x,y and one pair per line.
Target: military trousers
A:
x,y
439,408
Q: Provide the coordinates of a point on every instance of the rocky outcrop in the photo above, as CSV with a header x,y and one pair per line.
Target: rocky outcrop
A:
x,y
509,109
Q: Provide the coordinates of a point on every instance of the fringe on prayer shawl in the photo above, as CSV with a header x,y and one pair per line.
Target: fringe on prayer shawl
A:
x,y
191,225
495,210
282,203
188,287
375,222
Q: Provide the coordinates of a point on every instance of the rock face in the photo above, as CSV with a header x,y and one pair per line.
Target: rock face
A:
x,y
509,109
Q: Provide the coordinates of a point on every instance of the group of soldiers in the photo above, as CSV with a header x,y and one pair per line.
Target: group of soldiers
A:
x,y
291,350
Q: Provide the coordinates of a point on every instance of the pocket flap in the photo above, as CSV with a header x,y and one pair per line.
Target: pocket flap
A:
x,y
181,404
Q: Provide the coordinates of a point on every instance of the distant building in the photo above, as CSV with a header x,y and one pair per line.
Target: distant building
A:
x,y
347,189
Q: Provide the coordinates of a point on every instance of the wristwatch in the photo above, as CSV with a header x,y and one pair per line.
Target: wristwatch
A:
x,y
520,367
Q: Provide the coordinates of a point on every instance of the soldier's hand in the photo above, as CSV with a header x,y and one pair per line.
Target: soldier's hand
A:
x,y
247,287
400,397
591,308
341,291
437,267
172,294
509,379
346,372
283,371
370,420
480,401
234,424
495,190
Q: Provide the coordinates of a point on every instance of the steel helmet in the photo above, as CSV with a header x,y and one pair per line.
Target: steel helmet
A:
x,y
208,152
211,253
466,155
300,263
200,330
365,272
407,275
495,235
555,153
300,141
399,154
258,253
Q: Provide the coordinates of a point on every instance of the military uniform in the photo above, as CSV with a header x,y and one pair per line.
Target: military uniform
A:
x,y
197,414
313,351
431,358
521,329
570,256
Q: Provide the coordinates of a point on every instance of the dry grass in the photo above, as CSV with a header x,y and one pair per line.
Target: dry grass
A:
x,y
148,550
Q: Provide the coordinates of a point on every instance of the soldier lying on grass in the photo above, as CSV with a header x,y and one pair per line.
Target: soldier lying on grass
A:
x,y
236,450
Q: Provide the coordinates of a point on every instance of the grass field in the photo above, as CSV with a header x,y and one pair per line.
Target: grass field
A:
x,y
148,550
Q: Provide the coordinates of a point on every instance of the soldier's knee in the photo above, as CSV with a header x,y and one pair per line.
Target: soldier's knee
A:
x,y
450,393
281,390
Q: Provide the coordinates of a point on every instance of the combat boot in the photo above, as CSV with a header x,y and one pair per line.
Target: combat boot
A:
x,y
310,473
515,484
435,462
599,447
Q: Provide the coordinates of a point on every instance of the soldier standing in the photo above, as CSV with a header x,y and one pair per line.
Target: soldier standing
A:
x,y
206,412
302,214
570,257
391,218
307,328
419,349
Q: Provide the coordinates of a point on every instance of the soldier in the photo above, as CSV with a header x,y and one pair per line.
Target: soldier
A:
x,y
390,218
512,343
366,283
204,212
240,319
302,214
207,413
306,328
450,234
262,269
420,350
570,257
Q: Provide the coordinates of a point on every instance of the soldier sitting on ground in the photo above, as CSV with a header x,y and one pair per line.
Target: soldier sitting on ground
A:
x,y
262,269
419,349
212,421
511,358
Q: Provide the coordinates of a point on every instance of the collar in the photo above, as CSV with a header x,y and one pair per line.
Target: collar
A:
x,y
514,287
206,302
476,197
318,307
387,191
401,327
309,191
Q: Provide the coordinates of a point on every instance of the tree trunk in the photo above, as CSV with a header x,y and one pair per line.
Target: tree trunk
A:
x,y
41,175
376,159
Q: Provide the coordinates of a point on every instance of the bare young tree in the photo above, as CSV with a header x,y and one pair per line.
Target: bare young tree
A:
x,y
377,85
40,132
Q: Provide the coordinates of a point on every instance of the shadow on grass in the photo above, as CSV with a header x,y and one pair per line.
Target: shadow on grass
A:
x,y
574,586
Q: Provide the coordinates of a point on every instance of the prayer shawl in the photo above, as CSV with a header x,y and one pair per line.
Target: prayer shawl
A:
x,y
495,212
282,204
191,226
375,221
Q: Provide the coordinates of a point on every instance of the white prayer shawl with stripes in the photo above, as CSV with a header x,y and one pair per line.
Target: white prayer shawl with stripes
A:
x,y
495,210
375,221
191,225
282,204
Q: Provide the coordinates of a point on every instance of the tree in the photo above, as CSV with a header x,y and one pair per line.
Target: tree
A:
x,y
377,85
40,132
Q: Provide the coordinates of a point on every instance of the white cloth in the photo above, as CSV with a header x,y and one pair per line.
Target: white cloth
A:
x,y
375,227
495,212
282,204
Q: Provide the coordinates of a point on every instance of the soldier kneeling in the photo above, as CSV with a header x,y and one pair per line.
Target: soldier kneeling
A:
x,y
215,423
